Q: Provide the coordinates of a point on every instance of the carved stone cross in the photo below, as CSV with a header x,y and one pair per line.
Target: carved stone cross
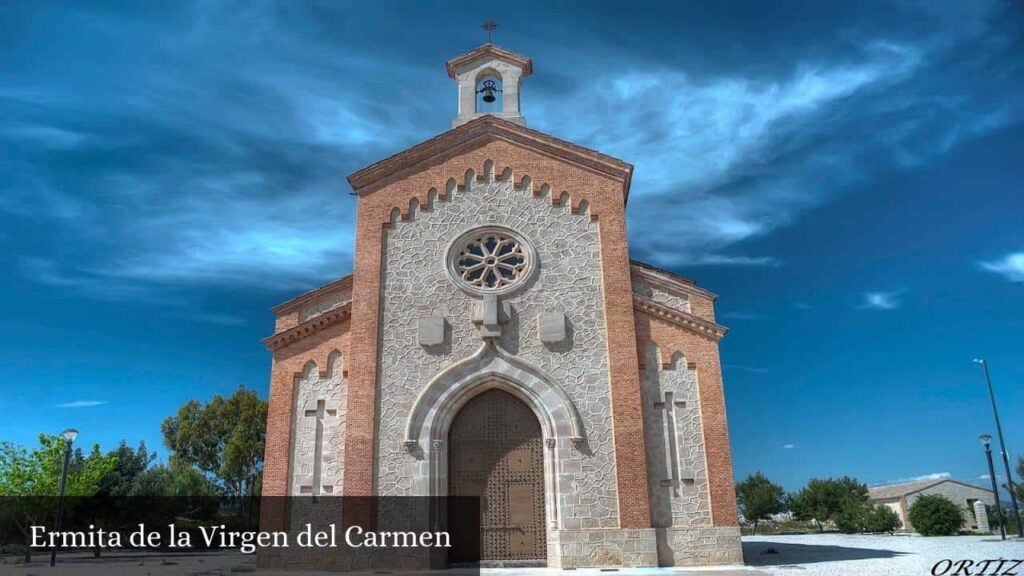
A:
x,y
678,476
320,410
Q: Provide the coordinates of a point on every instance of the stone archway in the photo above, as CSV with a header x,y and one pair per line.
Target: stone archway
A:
x,y
496,453
492,368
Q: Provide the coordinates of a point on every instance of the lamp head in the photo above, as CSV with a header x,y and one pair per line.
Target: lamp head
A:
x,y
979,360
986,440
69,435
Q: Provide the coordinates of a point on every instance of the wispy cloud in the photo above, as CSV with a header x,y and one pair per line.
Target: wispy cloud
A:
x,y
922,478
881,300
219,319
82,404
1010,266
214,173
751,369
723,260
706,144
742,316
788,446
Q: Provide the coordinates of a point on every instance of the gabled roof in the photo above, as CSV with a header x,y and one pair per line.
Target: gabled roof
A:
x,y
899,490
489,51
479,131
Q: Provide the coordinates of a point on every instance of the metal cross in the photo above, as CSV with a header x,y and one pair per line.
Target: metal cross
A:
x,y
490,25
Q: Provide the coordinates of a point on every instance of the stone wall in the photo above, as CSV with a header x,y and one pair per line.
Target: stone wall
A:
x,y
960,494
570,549
676,468
568,280
319,396
699,546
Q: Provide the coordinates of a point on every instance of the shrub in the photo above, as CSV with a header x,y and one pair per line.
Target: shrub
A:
x,y
935,515
881,518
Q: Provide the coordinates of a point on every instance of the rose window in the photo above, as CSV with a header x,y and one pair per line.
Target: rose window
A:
x,y
490,260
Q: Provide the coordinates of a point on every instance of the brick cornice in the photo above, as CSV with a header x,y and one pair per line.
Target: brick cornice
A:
x,y
489,51
476,133
709,330
308,328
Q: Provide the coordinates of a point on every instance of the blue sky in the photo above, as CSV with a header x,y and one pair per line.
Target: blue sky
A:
x,y
847,177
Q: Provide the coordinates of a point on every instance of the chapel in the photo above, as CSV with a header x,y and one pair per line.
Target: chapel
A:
x,y
494,339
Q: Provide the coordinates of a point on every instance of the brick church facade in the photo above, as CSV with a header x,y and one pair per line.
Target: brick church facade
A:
x,y
495,339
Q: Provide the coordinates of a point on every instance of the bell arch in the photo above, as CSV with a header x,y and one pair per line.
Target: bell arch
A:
x,y
491,368
489,93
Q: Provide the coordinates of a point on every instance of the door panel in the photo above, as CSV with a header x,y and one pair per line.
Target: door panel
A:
x,y
496,452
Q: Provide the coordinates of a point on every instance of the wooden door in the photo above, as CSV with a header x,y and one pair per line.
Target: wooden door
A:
x,y
496,453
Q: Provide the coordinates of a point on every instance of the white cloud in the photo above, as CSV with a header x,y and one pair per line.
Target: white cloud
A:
x,y
881,301
82,404
742,316
723,260
232,175
1010,266
219,319
922,478
714,155
751,369
788,446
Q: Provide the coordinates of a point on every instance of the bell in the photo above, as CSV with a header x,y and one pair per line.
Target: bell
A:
x,y
488,89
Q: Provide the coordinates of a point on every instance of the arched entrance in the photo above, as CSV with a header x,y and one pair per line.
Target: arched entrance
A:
x,y
496,452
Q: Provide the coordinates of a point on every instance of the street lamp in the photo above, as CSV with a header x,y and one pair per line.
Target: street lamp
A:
x,y
1002,447
986,441
69,436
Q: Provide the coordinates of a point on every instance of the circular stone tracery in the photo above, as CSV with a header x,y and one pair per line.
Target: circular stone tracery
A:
x,y
490,260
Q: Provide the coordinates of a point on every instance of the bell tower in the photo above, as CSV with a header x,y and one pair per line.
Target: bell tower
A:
x,y
488,80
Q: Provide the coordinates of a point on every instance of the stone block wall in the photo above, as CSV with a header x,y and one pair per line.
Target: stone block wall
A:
x,y
570,549
568,280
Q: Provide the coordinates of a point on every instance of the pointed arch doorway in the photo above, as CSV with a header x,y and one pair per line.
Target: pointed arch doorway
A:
x,y
496,452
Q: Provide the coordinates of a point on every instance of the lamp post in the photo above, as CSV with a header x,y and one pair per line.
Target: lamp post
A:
x,y
1002,447
986,441
69,436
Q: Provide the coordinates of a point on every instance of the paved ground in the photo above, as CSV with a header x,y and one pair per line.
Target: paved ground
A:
x,y
839,554
806,555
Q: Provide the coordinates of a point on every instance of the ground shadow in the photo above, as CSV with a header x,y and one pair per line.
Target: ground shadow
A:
x,y
795,554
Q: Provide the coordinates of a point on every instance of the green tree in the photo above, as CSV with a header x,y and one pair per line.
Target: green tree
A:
x,y
881,518
223,438
30,478
759,498
173,481
935,515
131,463
850,518
823,500
1020,474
